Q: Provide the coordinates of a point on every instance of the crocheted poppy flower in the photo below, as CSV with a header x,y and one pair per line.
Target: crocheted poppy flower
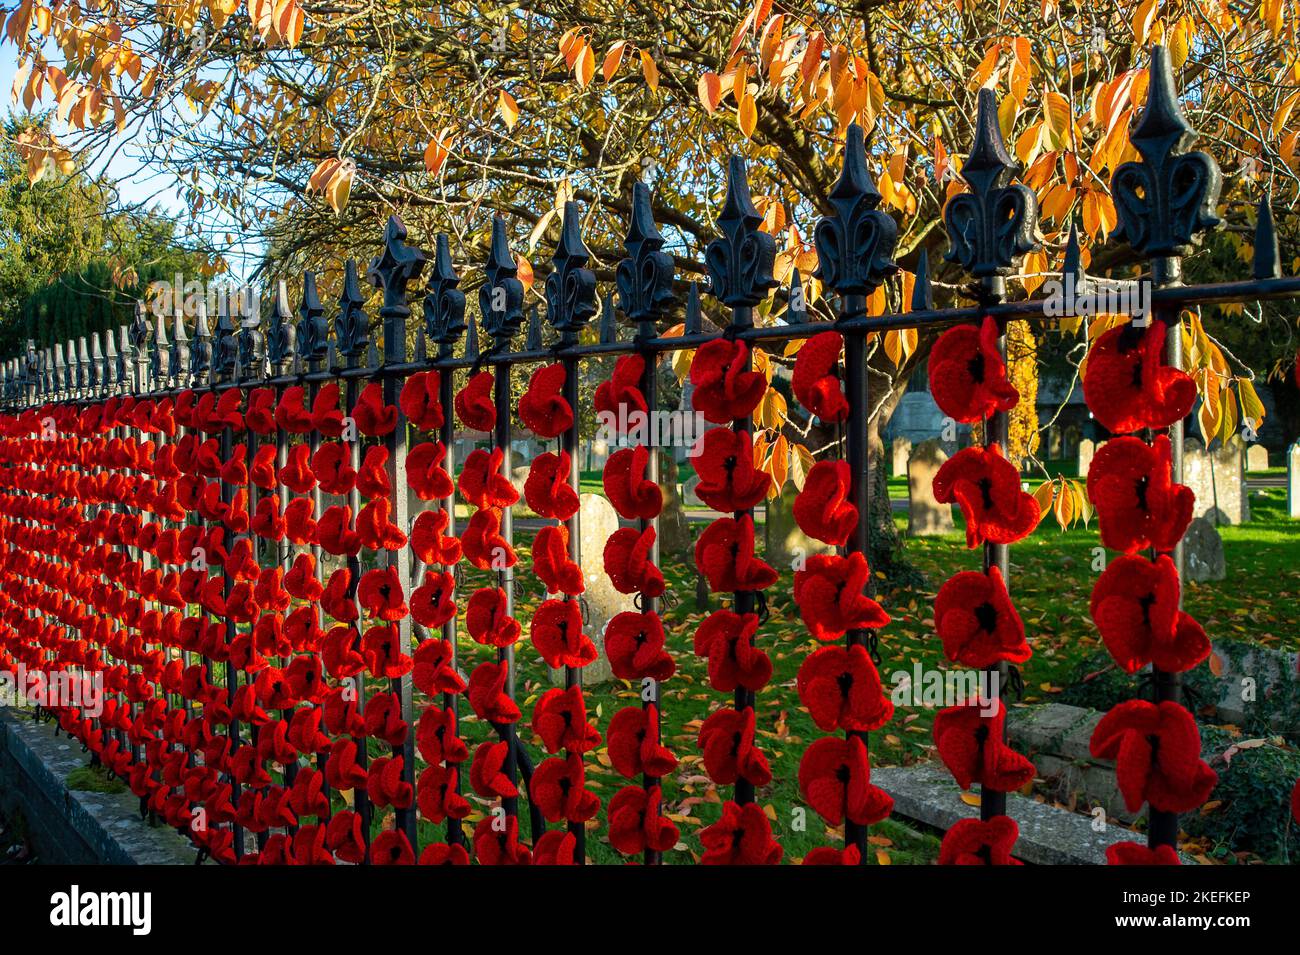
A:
x,y
1157,753
343,836
835,780
474,405
546,489
441,853
325,414
297,474
375,529
742,836
487,694
968,377
831,598
1128,386
481,482
620,396
633,495
488,620
977,622
482,543
341,769
428,542
1138,505
558,789
391,847
496,846
1135,606
487,772
556,632
827,855
434,668
425,474
971,746
542,407
560,719
727,744
634,748
334,531
436,795
987,487
260,416
433,602
822,509
972,842
841,688
551,561
419,400
372,476
724,386
383,719
729,481
373,417
635,824
726,639
634,643
331,466
1133,853
335,601
814,380
627,562
436,739
385,786
299,522
724,554
262,470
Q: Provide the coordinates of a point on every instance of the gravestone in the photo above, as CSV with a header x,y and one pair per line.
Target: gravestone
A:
x,y
1218,480
782,538
1256,458
518,475
1293,481
674,529
1083,457
900,449
926,517
1203,551
689,496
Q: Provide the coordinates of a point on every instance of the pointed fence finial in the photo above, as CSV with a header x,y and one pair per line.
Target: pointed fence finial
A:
x,y
501,297
644,278
922,289
444,303
694,317
351,326
391,271
855,245
312,335
1268,257
740,262
280,336
571,286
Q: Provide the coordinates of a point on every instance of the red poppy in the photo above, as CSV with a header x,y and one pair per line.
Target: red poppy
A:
x,y
335,599
436,739
727,640
434,668
972,842
822,509
436,795
332,468
385,786
831,598
441,853
728,480
724,386
1138,505
341,769
826,855
634,747
487,774
977,622
724,554
556,633
560,719
634,643
841,688
635,823
425,474
375,530
433,602
487,694
835,780
482,542
419,400
1133,853
1128,386
1157,753
372,477
633,495
551,561
727,744
481,482
814,380
627,562
474,404
487,619
262,471
968,377
297,474
742,836
497,845
542,407
558,790
372,416
325,414
428,542
383,719
987,487
1135,606
971,745
298,521
547,490
334,532
391,847
620,396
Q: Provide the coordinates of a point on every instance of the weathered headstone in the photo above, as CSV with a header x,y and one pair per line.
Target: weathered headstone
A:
x,y
689,496
1083,457
1218,480
674,529
1203,552
926,517
1256,457
783,540
900,449
1293,481
518,475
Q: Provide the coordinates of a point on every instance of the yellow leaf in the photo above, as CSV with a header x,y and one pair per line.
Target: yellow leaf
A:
x,y
970,799
339,187
1251,407
525,271
882,857
507,109
747,114
1046,491
585,66
1284,112
650,71
612,60
1143,17
710,91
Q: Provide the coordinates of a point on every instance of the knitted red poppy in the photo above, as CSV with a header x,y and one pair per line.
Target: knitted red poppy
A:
x,y
391,847
334,531
1133,853
971,746
727,640
972,842
551,561
557,847
436,795
742,836
341,769
724,554
425,474
434,669
728,479
297,474
841,688
635,824
627,562
560,719
375,529
634,643
481,482
724,387
542,407
433,602
620,396
1127,385
334,600
436,739
830,592
260,416
482,542
385,786
546,489
332,468
727,744
826,855
419,400
1135,606
428,542
299,521
383,719
987,487
822,509
487,620
372,416
556,633
1157,753
474,404
814,380
1138,505
496,846
372,476
968,377
835,780
977,622
440,853
558,789
634,748
262,470
633,495
487,694
487,772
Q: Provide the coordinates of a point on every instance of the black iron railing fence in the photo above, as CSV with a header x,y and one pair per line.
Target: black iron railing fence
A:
x,y
1165,201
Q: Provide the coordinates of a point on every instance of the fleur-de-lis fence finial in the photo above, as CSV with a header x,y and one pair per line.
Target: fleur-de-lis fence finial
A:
x,y
740,262
996,223
855,245
111,379
571,286
251,361
501,297
227,350
201,351
444,303
180,356
645,278
280,337
396,266
160,352
351,326
312,338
